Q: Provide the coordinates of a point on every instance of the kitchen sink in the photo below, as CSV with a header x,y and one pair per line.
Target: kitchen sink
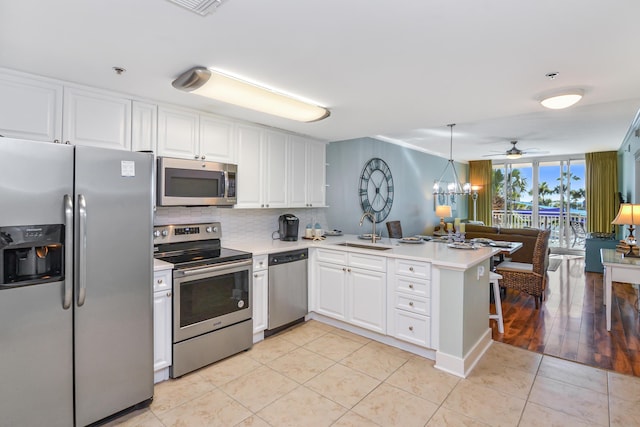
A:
x,y
363,246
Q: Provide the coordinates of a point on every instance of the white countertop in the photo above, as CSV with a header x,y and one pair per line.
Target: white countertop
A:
x,y
161,265
437,253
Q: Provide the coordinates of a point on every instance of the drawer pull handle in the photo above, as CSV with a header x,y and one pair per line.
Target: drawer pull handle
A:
x,y
411,269
411,303
168,294
349,270
255,275
411,328
410,285
160,282
344,269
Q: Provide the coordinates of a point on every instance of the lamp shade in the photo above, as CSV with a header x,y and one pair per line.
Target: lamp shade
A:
x,y
215,85
443,211
628,214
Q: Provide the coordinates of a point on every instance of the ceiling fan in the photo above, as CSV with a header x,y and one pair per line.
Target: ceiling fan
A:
x,y
515,153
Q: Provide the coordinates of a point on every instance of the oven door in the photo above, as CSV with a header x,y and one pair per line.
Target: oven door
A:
x,y
210,298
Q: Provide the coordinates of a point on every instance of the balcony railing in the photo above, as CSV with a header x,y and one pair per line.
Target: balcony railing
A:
x,y
573,237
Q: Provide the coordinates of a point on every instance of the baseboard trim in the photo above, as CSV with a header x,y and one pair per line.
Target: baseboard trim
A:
x,y
462,367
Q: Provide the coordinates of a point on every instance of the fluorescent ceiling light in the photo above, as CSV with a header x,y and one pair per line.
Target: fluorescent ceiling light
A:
x,y
225,88
560,101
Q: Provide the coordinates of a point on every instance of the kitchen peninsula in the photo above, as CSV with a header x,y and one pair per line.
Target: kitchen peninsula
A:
x,y
426,298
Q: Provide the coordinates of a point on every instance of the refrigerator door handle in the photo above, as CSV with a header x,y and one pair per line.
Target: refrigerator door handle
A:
x,y
68,251
82,259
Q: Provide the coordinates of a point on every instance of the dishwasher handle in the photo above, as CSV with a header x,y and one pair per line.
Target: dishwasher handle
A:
x,y
287,257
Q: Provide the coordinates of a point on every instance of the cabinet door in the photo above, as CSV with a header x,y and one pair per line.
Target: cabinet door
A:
x,y
216,140
96,119
331,288
144,126
316,174
260,300
367,302
297,182
274,175
30,108
162,302
177,133
249,167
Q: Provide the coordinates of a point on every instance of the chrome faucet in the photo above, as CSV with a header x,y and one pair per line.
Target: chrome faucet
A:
x,y
373,221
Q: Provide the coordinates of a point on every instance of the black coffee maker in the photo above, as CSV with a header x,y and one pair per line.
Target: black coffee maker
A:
x,y
288,227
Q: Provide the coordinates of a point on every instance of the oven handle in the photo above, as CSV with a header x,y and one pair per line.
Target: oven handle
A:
x,y
212,269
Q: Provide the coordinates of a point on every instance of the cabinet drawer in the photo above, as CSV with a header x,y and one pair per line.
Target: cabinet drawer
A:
x,y
421,270
162,280
413,328
369,262
417,287
413,304
336,257
260,262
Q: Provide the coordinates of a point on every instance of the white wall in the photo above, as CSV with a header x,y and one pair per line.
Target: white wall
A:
x,y
414,173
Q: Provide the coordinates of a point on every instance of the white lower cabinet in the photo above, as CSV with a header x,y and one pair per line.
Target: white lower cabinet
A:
x,y
352,287
260,293
162,303
410,302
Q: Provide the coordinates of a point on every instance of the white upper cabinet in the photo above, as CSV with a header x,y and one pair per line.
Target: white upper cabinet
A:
x,y
178,133
316,174
262,168
189,135
30,108
249,167
275,170
96,119
217,139
144,126
306,173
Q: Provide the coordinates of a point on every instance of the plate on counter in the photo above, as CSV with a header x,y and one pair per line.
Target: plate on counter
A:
x,y
333,233
500,244
368,236
482,240
460,245
415,239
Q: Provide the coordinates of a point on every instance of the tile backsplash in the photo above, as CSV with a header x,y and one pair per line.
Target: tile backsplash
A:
x,y
239,224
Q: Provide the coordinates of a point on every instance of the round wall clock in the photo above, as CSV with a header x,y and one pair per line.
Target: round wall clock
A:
x,y
376,188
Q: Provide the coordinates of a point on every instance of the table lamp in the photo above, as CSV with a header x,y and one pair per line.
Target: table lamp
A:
x,y
443,211
629,214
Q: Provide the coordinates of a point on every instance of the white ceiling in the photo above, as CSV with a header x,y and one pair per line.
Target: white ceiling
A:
x,y
400,69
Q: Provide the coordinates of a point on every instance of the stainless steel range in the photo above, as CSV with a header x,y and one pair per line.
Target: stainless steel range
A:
x,y
212,298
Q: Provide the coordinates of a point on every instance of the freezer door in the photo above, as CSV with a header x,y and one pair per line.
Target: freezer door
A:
x,y
113,299
36,360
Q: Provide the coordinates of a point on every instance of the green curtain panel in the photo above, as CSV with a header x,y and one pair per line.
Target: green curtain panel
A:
x,y
480,172
602,190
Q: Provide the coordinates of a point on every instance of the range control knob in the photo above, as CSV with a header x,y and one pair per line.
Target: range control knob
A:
x,y
156,233
165,233
209,229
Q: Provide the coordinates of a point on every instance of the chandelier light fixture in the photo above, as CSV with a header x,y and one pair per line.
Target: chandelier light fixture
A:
x,y
455,187
222,87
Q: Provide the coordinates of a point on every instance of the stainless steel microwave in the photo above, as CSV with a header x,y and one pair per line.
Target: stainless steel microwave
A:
x,y
183,182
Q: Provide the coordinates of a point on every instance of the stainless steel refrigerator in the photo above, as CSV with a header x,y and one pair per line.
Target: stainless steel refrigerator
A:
x,y
76,320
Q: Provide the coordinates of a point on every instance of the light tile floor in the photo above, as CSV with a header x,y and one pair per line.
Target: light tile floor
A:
x,y
317,375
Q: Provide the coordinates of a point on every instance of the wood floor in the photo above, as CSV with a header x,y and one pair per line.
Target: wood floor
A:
x,y
571,322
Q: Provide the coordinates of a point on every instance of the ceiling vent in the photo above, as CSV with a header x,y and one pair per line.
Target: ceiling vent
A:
x,y
201,7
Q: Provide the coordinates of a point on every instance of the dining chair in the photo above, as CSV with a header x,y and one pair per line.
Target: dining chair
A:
x,y
395,229
530,278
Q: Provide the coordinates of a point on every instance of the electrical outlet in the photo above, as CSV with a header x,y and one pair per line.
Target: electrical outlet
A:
x,y
480,271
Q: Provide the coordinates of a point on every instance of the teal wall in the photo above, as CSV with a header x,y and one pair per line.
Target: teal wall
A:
x,y
414,173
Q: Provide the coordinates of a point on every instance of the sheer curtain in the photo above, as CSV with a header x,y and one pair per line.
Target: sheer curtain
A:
x,y
601,190
480,172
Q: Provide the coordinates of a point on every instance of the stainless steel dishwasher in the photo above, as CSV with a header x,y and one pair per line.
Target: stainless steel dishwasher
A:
x,y
288,301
